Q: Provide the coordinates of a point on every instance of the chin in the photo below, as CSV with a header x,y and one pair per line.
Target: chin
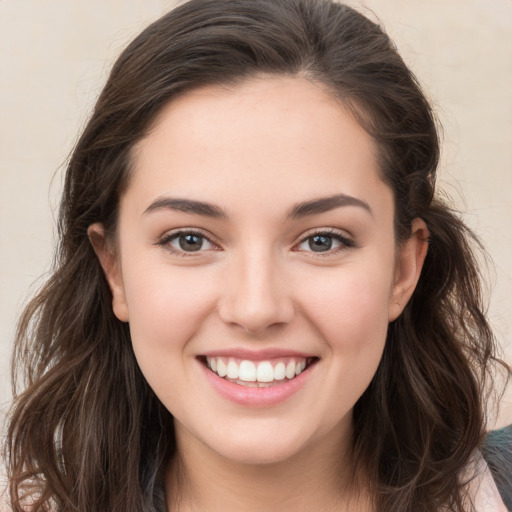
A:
x,y
255,449
255,456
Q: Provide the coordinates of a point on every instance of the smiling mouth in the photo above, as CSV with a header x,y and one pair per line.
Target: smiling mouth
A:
x,y
261,374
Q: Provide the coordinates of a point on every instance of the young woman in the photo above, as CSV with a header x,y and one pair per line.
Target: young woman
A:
x,y
259,301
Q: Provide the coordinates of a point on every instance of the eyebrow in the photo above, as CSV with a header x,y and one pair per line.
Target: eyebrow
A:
x,y
299,211
325,204
186,206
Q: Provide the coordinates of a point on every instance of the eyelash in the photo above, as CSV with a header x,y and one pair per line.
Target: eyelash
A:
x,y
345,243
166,240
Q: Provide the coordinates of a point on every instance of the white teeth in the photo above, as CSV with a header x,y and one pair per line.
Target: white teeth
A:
x,y
265,372
221,368
280,371
290,370
232,370
253,372
247,371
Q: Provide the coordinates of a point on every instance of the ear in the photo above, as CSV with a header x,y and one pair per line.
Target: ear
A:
x,y
411,255
112,268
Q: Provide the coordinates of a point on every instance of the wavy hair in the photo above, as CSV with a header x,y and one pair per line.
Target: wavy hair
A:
x,y
87,433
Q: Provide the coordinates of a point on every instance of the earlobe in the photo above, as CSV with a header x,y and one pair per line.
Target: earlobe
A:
x,y
110,264
410,261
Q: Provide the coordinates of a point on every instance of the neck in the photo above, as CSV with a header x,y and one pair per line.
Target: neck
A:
x,y
318,478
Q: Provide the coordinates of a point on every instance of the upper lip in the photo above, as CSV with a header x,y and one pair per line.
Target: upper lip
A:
x,y
257,355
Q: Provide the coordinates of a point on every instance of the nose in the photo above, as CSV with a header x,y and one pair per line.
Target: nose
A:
x,y
256,295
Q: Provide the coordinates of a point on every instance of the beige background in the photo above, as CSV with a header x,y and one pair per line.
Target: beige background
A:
x,y
54,57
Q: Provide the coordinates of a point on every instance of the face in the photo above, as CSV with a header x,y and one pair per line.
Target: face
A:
x,y
256,264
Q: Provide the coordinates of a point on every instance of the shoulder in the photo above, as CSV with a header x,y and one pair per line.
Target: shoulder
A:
x,y
497,452
482,488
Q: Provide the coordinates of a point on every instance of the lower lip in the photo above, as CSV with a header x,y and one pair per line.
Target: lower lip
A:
x,y
253,396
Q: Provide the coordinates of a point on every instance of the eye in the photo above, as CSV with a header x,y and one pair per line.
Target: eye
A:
x,y
186,242
325,242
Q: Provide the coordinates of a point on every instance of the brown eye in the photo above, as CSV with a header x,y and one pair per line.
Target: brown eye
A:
x,y
190,242
187,242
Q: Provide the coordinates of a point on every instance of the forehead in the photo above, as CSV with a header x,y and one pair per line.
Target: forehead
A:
x,y
282,136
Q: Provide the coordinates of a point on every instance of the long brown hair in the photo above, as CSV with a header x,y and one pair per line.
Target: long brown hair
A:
x,y
87,433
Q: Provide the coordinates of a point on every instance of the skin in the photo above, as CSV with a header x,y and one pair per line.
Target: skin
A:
x,y
255,151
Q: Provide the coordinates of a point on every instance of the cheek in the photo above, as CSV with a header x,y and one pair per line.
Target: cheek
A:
x,y
166,306
352,319
350,308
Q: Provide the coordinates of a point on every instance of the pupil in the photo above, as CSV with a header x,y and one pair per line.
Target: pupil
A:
x,y
191,242
319,243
